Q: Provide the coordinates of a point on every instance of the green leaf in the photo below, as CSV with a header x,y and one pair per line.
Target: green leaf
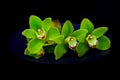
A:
x,y
87,24
79,32
67,28
52,33
59,39
35,22
103,43
29,33
98,32
82,49
47,22
35,45
59,51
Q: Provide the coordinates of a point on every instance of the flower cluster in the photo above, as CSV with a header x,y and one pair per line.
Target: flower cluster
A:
x,y
50,36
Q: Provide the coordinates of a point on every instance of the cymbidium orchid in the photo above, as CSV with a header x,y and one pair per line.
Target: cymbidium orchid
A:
x,y
49,36
38,36
95,37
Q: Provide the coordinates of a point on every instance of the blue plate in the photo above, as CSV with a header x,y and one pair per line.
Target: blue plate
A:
x,y
17,45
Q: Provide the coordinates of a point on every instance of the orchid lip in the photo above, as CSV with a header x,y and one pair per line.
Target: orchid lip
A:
x,y
41,36
38,30
94,44
74,45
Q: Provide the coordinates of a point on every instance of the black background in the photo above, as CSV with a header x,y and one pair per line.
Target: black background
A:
x,y
100,12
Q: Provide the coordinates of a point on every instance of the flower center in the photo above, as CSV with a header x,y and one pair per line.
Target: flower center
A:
x,y
92,41
41,34
72,42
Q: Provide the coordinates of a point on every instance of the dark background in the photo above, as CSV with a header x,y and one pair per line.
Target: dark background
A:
x,y
100,12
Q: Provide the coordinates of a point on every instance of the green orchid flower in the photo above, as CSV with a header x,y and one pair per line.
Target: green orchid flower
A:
x,y
70,39
48,36
39,35
95,37
80,36
61,48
